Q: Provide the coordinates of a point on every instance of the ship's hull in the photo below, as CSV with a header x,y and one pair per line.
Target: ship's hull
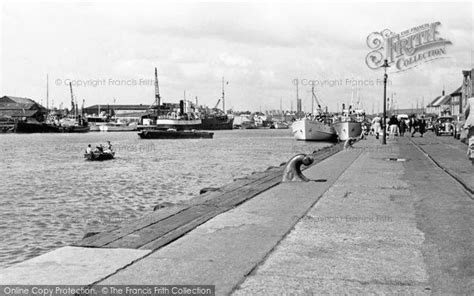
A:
x,y
158,134
311,130
26,127
178,124
216,124
117,128
348,129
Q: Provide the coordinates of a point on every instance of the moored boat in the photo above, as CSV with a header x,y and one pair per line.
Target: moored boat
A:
x,y
349,125
216,122
71,121
41,127
313,130
348,129
118,127
279,125
174,134
316,126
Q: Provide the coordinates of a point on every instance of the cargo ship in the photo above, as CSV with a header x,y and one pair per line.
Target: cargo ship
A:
x,y
215,118
160,118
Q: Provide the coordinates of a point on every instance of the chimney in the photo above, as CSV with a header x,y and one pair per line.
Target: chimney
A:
x,y
442,93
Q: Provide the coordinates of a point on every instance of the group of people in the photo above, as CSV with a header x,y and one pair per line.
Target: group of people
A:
x,y
101,148
399,127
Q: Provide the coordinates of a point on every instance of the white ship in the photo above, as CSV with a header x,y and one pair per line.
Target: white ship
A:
x,y
347,129
312,130
118,127
349,124
316,127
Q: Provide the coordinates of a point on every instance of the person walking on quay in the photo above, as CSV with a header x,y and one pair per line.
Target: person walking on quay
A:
x,y
376,126
393,124
412,125
422,125
402,126
469,115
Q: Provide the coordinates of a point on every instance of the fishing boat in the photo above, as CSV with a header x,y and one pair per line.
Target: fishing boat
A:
x,y
316,126
99,156
349,125
174,134
56,122
69,124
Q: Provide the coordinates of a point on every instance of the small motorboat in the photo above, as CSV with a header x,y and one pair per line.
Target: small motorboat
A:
x,y
99,156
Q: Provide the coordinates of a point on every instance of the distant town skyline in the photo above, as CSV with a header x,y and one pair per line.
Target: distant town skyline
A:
x,y
109,51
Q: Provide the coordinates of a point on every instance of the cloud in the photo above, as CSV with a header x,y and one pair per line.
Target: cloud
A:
x,y
259,47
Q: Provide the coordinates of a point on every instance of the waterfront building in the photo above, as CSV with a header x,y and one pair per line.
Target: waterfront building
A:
x,y
454,103
14,108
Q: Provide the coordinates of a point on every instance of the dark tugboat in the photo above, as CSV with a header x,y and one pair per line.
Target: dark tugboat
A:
x,y
174,134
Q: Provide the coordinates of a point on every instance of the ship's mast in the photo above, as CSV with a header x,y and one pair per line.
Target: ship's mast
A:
x,y
297,98
157,91
223,95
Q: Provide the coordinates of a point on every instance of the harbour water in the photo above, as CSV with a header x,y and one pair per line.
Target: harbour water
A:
x,y
50,196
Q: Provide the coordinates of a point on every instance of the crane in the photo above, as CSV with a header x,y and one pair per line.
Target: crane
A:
x,y
72,99
218,101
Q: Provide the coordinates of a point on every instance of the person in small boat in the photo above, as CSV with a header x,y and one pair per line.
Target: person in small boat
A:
x,y
108,147
100,148
89,149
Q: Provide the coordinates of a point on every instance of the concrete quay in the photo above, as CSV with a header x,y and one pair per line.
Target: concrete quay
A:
x,y
381,220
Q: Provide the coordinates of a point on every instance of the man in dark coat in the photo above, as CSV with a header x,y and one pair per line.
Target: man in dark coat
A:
x,y
412,125
402,126
422,125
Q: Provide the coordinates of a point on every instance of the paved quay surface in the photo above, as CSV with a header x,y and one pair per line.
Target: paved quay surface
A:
x,y
376,226
385,227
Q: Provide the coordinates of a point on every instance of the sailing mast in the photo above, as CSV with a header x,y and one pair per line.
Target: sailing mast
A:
x,y
312,100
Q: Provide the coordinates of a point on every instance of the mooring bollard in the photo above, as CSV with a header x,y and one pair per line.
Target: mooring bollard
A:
x,y
349,142
470,149
292,172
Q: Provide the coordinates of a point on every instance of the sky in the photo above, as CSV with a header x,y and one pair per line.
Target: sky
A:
x,y
108,51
